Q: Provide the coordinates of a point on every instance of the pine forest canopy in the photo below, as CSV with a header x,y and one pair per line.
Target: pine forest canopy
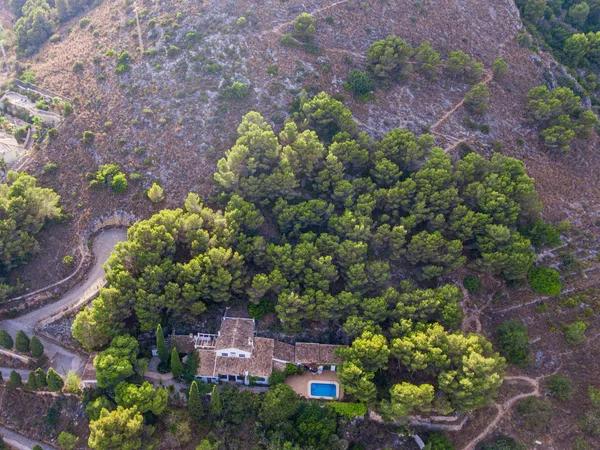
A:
x,y
334,227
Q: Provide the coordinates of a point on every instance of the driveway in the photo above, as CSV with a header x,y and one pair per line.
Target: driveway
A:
x,y
62,359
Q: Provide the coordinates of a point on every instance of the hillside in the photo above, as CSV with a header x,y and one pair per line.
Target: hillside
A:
x,y
154,81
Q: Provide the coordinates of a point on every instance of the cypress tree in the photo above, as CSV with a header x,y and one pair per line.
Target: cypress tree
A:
x,y
190,367
36,347
161,347
32,383
6,340
15,380
216,407
40,377
195,405
22,342
54,381
176,366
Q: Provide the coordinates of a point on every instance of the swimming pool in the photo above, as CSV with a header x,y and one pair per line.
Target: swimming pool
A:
x,y
323,390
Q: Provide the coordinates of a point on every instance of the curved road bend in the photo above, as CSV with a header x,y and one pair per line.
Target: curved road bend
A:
x,y
20,442
60,358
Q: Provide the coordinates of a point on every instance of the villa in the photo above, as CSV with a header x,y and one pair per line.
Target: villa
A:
x,y
235,354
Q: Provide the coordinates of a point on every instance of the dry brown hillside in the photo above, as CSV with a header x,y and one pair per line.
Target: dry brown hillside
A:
x,y
165,120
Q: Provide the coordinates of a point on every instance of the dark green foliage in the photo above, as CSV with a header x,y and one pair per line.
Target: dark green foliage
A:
x,y
279,405
190,366
559,387
161,347
175,363
123,62
304,27
40,377
472,283
112,176
360,83
21,342
6,340
24,208
34,26
575,332
545,280
560,116
216,405
477,99
117,362
464,67
534,413
438,441
543,234
36,347
14,380
195,405
315,426
513,341
54,380
236,90
500,68
388,58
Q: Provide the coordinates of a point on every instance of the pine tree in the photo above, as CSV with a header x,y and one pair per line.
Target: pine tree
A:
x,y
21,342
176,366
15,380
195,405
161,347
54,381
216,407
36,347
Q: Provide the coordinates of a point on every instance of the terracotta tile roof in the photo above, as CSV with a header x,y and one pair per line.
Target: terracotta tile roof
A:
x,y
316,354
206,368
284,352
236,333
259,364
184,343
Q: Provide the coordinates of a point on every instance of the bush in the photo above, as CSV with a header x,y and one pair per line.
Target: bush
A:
x,y
88,137
305,27
575,332
461,65
119,183
542,234
513,341
438,441
559,387
360,83
67,441
156,193
123,62
54,380
22,342
68,260
500,68
545,280
110,175
348,410
477,100
6,340
236,90
14,380
49,167
472,283
534,413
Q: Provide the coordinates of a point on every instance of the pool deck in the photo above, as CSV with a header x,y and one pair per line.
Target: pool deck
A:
x,y
299,383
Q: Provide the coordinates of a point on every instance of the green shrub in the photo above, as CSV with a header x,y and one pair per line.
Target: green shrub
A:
x,y
110,175
438,441
305,27
477,100
534,413
348,410
545,280
559,387
68,260
542,234
594,396
119,183
88,137
360,83
500,68
156,193
236,90
123,62
461,65
36,347
472,283
513,341
575,332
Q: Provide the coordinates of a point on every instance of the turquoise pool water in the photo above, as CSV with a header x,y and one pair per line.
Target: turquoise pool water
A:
x,y
323,390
